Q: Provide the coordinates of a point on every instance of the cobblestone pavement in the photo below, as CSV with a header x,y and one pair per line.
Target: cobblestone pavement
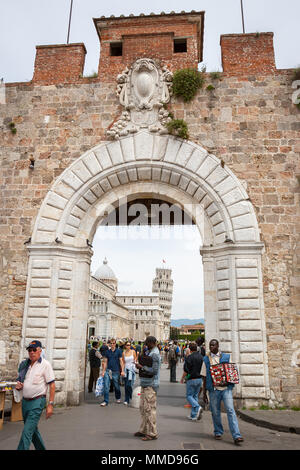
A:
x,y
91,427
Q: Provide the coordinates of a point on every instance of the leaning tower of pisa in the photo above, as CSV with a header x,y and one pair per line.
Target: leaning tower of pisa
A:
x,y
163,285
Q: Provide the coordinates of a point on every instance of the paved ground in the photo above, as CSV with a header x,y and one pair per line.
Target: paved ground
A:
x,y
91,427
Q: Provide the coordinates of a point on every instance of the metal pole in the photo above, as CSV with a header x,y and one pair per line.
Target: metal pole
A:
x,y
242,10
70,21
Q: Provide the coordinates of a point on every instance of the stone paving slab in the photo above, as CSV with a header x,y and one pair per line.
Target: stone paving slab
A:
x,y
91,427
280,420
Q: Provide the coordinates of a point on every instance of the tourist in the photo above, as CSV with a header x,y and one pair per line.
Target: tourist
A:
x,y
192,368
149,380
201,346
95,362
103,348
177,349
173,359
166,350
35,375
219,394
138,348
183,346
129,358
187,350
112,364
186,353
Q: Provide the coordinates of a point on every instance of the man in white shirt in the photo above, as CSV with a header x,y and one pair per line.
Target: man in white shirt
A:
x,y
35,375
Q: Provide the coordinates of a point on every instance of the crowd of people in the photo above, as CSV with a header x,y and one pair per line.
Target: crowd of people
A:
x,y
119,363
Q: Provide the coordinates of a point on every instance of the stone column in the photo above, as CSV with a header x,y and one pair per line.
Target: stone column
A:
x,y
109,332
210,297
237,317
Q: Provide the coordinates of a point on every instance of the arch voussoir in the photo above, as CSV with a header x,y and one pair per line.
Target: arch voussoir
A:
x,y
148,157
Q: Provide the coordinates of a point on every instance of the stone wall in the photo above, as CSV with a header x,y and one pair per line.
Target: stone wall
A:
x,y
247,120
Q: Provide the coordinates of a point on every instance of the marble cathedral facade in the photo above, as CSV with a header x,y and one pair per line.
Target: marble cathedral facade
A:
x,y
129,315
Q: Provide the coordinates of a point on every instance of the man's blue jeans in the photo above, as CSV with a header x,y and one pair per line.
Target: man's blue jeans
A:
x,y
116,381
215,398
192,392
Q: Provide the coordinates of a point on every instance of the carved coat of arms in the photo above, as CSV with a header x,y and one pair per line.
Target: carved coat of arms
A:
x,y
143,90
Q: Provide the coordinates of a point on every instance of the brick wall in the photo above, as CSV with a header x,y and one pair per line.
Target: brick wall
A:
x,y
60,63
151,36
247,53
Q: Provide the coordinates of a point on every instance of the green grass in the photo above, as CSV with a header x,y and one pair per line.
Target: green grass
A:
x,y
268,408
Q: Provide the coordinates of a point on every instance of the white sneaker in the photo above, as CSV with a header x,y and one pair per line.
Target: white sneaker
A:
x,y
192,419
125,403
199,413
103,403
118,401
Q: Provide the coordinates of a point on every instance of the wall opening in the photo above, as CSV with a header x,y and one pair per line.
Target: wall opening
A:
x,y
116,49
146,266
180,45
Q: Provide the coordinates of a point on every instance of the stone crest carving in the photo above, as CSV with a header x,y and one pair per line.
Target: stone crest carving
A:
x,y
143,90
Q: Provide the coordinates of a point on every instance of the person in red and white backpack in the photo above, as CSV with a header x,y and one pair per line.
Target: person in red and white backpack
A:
x,y
219,394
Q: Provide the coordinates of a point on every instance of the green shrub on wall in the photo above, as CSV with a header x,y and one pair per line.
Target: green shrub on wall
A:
x,y
178,127
191,337
186,83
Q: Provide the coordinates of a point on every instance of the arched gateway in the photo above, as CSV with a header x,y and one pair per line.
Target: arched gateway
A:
x,y
148,165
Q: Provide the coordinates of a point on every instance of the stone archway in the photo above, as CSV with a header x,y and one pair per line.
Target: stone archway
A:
x,y
159,166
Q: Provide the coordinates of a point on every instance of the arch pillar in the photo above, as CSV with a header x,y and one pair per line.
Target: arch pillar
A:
x,y
56,316
234,312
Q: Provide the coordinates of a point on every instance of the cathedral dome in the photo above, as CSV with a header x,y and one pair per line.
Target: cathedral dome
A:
x,y
104,272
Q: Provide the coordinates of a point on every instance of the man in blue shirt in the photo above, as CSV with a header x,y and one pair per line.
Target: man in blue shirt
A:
x,y
112,364
217,394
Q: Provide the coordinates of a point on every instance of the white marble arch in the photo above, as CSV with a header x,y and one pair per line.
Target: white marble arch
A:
x,y
166,168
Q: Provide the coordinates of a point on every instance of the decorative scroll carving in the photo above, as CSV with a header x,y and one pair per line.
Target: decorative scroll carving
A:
x,y
143,90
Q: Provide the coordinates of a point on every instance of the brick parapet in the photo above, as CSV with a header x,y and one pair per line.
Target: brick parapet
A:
x,y
59,63
242,76
243,55
247,53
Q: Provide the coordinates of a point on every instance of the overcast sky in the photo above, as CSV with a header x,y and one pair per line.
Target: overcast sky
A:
x,y
134,253
27,23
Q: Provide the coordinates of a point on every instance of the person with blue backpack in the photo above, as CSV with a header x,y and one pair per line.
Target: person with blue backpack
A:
x,y
218,394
